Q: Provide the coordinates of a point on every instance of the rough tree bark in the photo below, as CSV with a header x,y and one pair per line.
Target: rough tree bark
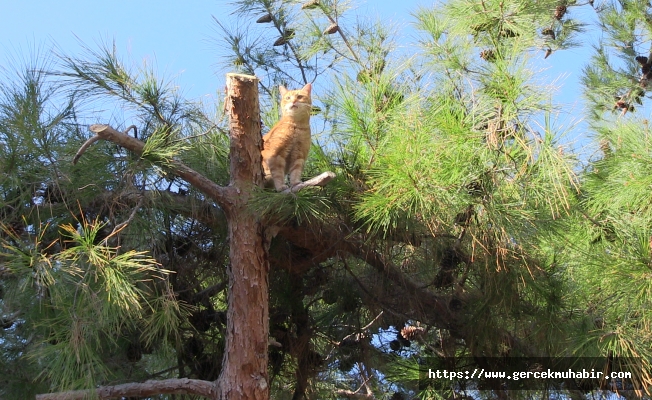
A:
x,y
244,368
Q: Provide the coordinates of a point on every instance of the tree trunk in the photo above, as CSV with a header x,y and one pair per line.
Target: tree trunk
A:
x,y
244,367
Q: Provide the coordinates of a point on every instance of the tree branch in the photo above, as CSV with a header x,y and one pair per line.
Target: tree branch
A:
x,y
84,147
141,389
220,194
202,210
327,241
354,395
319,180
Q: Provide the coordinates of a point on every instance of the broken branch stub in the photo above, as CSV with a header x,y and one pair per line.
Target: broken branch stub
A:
x,y
319,180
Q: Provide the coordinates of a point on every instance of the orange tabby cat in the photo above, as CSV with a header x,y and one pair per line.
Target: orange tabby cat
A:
x,y
286,146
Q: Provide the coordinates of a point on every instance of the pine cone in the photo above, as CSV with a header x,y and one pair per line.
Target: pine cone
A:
x,y
621,104
280,41
412,332
549,32
488,55
560,11
309,5
264,19
332,28
624,106
287,35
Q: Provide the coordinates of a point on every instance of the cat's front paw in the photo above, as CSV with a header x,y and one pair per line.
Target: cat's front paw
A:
x,y
282,188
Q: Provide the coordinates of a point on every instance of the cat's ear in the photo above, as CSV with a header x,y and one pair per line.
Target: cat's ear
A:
x,y
307,88
283,90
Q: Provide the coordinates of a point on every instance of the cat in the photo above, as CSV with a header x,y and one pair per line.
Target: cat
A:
x,y
286,146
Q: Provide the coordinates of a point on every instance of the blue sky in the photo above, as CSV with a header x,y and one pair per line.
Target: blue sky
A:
x,y
179,37
181,40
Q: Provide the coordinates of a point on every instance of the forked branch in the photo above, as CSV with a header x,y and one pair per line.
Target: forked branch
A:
x,y
94,139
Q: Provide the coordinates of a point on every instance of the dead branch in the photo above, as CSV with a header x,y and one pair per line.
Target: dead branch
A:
x,y
354,395
124,224
95,138
319,180
361,330
85,147
142,389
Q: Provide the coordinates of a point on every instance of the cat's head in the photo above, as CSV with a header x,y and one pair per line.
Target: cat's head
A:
x,y
296,103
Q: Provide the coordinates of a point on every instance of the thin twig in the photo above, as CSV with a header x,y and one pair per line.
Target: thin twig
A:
x,y
124,224
363,328
165,371
277,25
84,147
344,39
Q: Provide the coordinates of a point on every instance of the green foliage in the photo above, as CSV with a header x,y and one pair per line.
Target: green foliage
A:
x,y
87,295
160,150
615,79
279,208
460,224
612,244
82,299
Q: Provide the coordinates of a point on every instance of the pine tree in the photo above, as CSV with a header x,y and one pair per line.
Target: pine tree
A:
x,y
611,238
459,231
